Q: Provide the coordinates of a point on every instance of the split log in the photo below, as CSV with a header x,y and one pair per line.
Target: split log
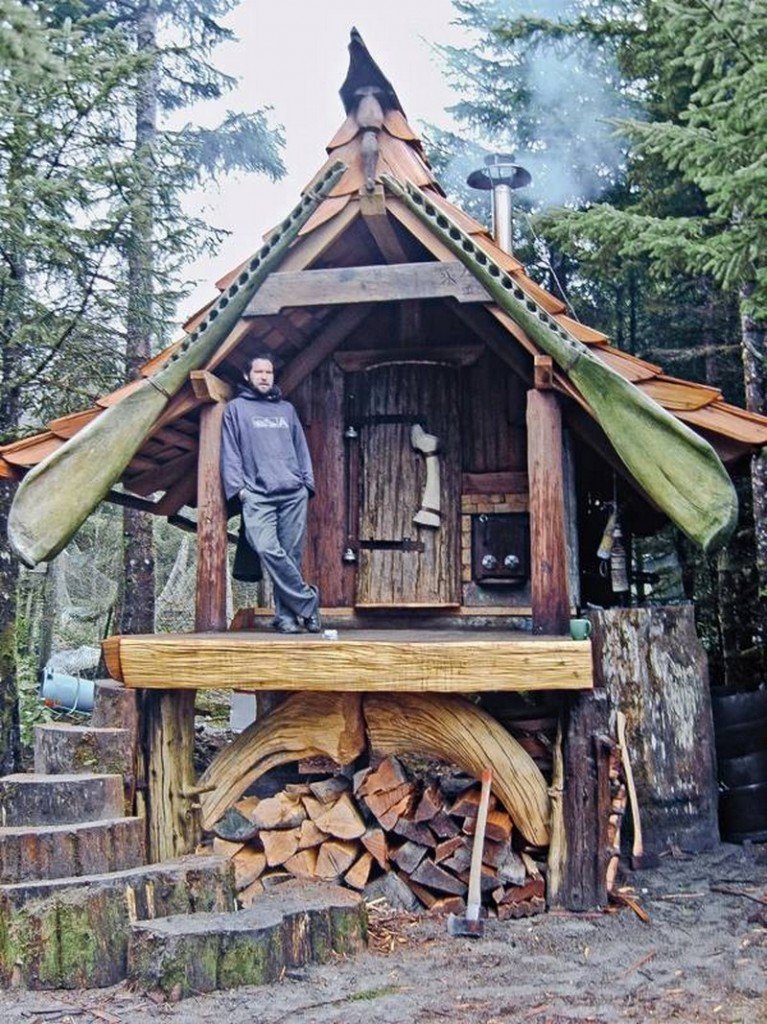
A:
x,y
249,864
381,801
467,804
387,776
313,807
443,826
253,891
280,845
375,843
328,790
409,856
303,864
448,847
309,835
225,848
429,805
423,894
456,731
341,819
498,826
335,858
358,874
449,905
280,811
305,725
389,817
417,833
391,888
434,877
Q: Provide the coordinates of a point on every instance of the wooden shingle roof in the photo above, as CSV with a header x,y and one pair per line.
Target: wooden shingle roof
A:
x,y
339,234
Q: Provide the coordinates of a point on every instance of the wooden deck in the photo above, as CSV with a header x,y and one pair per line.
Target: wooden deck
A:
x,y
388,660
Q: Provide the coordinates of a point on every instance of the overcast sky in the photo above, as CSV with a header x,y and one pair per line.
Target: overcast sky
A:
x,y
292,56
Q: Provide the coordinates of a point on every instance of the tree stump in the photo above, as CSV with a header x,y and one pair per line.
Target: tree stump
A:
x,y
655,670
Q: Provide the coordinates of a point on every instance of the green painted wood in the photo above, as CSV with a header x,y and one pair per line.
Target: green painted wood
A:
x,y
57,496
679,470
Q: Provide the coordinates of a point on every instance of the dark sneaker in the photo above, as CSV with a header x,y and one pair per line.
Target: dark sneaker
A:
x,y
313,622
286,626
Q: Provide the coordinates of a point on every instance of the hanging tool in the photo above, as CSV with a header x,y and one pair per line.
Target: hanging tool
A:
x,y
472,925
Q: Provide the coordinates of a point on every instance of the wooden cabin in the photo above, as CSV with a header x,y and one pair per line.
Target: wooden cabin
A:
x,y
464,485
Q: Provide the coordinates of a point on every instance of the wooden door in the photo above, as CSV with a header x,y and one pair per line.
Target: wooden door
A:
x,y
403,563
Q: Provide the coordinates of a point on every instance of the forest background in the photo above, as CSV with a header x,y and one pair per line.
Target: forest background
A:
x,y
643,122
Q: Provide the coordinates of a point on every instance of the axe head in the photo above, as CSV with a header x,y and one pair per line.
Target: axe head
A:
x,y
464,927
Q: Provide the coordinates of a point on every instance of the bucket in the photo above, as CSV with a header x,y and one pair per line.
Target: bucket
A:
x,y
740,721
68,693
743,813
743,771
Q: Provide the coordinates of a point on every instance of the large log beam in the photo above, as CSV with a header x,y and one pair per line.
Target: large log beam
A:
x,y
395,283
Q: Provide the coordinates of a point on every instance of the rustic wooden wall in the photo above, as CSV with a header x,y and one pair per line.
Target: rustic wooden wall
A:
x,y
319,402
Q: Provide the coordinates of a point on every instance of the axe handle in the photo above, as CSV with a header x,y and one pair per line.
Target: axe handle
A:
x,y
477,850
638,847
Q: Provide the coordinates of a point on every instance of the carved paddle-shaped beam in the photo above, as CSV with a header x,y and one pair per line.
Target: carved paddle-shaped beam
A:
x,y
59,494
677,469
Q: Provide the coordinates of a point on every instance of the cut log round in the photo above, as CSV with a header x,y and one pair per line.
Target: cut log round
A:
x,y
456,731
305,725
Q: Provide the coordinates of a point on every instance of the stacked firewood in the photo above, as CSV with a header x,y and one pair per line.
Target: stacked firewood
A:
x,y
386,835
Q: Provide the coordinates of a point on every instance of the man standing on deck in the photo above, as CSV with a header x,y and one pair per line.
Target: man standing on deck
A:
x,y
265,461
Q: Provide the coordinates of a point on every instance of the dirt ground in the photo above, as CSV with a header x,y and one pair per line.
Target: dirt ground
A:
x,y
702,957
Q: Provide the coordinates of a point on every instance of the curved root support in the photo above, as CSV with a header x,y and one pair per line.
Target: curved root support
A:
x,y
305,725
436,725
457,731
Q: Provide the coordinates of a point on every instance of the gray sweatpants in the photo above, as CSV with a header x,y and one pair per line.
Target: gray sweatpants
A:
x,y
275,526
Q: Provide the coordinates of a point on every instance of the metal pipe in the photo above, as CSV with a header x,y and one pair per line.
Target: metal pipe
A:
x,y
502,222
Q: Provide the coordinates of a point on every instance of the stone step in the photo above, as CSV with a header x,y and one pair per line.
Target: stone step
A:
x,y
114,706
73,932
60,851
295,923
32,799
62,749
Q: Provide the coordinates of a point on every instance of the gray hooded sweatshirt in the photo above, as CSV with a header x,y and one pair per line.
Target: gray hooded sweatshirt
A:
x,y
263,447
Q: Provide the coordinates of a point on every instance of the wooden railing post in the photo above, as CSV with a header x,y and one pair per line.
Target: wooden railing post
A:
x,y
210,602
548,543
169,714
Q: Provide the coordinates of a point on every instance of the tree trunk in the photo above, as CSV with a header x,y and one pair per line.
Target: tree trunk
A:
x,y
655,671
9,708
137,606
754,341
9,420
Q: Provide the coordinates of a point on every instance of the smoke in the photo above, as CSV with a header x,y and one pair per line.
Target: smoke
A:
x,y
561,97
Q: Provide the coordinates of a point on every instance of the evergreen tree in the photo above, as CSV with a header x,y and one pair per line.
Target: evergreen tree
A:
x,y
668,258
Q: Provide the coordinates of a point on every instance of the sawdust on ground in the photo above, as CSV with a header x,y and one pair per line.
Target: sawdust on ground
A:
x,y
702,957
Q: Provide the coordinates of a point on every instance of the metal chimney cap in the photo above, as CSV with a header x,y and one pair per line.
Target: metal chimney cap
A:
x,y
499,169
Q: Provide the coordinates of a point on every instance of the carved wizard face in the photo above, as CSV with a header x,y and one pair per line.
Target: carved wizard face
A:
x,y
261,376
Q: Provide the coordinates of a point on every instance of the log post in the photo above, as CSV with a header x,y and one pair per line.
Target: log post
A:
x,y
586,802
210,604
548,544
169,714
